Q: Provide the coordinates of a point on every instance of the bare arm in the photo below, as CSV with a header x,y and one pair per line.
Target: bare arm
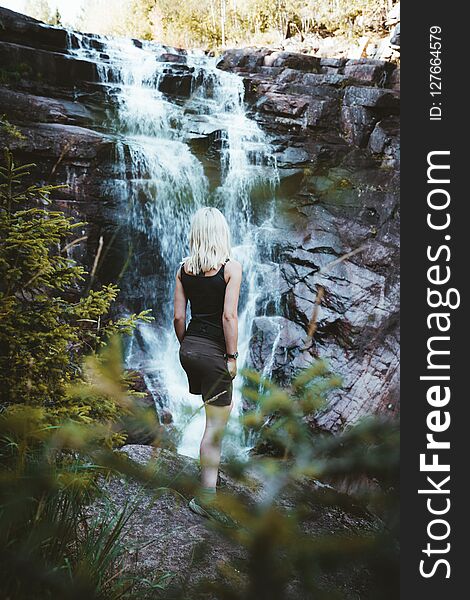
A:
x,y
179,304
230,315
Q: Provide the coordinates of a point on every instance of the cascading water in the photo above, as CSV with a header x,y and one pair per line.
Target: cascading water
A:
x,y
162,182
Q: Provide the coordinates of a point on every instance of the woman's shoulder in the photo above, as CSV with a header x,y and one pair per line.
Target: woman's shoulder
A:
x,y
233,267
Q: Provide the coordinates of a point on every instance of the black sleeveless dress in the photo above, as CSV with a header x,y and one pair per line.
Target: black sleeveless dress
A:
x,y
203,347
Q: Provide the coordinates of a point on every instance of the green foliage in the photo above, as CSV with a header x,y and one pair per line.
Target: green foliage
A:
x,y
10,129
51,544
276,530
47,324
290,534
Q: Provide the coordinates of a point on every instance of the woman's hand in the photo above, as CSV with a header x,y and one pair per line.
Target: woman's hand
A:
x,y
232,367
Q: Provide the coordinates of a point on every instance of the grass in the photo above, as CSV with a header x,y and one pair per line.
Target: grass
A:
x,y
50,529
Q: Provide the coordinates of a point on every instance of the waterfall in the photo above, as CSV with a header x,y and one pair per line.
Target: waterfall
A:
x,y
161,180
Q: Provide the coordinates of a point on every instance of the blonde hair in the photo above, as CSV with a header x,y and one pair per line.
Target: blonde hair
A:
x,y
209,241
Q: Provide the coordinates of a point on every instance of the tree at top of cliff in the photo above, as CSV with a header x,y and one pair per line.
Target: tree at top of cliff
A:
x,y
215,23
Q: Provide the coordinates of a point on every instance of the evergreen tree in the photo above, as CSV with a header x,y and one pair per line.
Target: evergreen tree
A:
x,y
47,325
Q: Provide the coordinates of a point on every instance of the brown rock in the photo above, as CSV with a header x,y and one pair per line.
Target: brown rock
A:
x,y
24,107
283,104
293,60
367,70
51,67
18,28
385,140
357,123
67,142
372,97
172,58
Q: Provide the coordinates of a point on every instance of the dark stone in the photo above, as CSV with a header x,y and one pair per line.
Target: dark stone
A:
x,y
172,58
23,107
208,142
283,104
334,79
394,80
243,58
270,71
322,113
361,297
96,44
395,37
357,124
292,156
372,97
312,80
51,67
293,60
385,140
176,85
372,62
368,71
67,142
336,63
20,29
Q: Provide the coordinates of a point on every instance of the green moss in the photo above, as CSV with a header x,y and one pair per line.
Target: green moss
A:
x,y
10,129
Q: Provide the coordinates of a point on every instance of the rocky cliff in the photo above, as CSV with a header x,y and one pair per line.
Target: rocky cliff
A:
x,y
335,124
334,127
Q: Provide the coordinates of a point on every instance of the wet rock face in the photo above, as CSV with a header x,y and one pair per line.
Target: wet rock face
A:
x,y
334,125
336,129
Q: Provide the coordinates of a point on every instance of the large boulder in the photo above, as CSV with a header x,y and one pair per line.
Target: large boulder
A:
x,y
368,70
176,84
357,124
385,141
243,58
283,104
372,97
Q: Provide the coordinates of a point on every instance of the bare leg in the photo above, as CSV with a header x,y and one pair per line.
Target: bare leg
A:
x,y
211,443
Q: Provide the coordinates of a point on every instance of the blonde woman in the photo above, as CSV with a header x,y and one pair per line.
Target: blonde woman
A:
x,y
210,280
